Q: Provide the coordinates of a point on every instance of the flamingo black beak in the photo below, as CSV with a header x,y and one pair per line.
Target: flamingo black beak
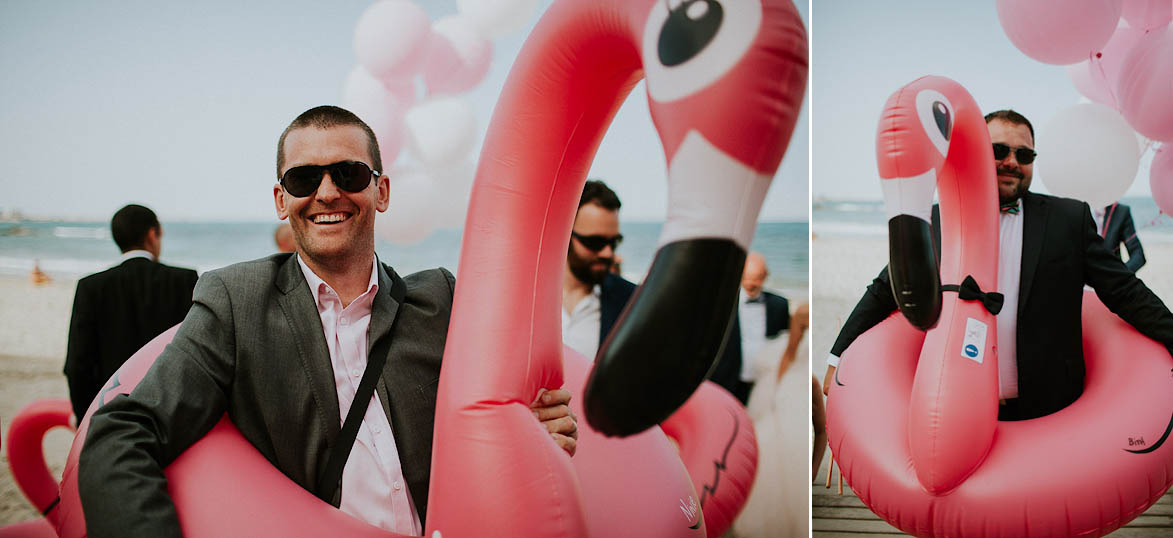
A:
x,y
912,268
668,338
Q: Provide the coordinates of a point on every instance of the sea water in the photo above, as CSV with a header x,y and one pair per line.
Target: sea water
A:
x,y
74,249
867,219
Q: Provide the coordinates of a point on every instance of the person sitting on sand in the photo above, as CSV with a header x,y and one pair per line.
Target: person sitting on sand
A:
x,y
38,277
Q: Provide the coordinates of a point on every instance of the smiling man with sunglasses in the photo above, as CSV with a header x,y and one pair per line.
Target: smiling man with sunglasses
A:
x,y
593,296
1049,248
326,360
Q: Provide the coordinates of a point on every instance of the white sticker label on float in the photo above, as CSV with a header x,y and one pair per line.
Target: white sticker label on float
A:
x,y
973,347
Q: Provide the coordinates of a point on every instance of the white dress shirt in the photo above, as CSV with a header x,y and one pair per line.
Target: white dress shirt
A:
x,y
1009,277
581,326
752,318
373,487
135,254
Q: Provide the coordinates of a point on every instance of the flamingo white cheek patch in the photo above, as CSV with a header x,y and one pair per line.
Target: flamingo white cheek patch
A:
x,y
711,194
973,346
910,195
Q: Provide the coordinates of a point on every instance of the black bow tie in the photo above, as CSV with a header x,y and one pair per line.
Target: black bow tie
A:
x,y
969,291
761,298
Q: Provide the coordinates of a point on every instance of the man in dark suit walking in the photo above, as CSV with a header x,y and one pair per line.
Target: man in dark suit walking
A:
x,y
592,295
1115,225
1048,251
281,343
118,310
760,315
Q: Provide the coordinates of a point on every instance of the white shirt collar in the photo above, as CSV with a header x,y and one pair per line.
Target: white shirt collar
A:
x,y
744,297
317,284
138,253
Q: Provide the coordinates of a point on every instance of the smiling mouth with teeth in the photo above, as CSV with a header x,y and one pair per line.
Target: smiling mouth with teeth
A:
x,y
330,218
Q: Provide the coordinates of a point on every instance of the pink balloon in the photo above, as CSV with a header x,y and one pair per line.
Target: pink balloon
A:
x,y
1145,86
379,108
1059,32
1161,179
458,56
391,38
1147,14
1096,78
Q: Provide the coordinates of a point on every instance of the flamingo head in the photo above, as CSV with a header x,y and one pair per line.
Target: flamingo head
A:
x,y
912,145
725,81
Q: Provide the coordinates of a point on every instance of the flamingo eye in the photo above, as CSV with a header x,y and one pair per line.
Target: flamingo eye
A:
x,y
691,25
936,117
689,44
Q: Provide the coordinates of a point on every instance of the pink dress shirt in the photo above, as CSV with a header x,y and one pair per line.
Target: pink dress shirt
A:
x,y
373,487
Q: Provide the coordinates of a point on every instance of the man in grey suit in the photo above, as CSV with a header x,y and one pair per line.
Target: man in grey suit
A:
x,y
280,344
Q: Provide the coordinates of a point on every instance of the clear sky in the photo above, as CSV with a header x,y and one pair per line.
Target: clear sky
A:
x,y
178,106
865,50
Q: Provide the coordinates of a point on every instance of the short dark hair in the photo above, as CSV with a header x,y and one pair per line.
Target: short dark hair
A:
x,y
130,226
325,117
1011,116
598,193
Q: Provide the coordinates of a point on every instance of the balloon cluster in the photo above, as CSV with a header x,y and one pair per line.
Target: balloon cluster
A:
x,y
1119,55
409,88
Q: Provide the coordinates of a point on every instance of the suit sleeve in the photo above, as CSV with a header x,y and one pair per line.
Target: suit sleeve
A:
x,y
133,437
81,357
1131,242
876,305
1120,290
777,315
878,302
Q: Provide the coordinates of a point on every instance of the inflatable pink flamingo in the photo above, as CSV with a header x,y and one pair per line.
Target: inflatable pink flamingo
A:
x,y
725,81
26,459
912,416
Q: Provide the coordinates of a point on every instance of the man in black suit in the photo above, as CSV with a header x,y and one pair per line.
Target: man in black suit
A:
x,y
1049,250
760,315
1115,224
118,310
280,345
592,295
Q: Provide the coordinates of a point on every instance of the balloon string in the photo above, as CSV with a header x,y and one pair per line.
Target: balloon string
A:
x,y
1099,67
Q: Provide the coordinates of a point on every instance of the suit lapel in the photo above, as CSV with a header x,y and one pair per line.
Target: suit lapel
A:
x,y
297,303
1034,228
407,408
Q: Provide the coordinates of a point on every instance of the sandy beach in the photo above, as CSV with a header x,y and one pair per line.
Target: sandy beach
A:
x,y
34,326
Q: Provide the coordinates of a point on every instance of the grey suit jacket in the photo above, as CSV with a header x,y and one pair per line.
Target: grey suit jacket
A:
x,y
252,346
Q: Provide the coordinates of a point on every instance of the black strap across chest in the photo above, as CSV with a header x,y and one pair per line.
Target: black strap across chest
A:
x,y
331,478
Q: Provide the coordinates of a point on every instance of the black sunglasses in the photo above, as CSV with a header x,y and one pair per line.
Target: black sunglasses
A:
x,y
1023,155
350,176
595,243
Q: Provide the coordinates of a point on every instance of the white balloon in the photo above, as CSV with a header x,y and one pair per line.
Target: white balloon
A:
x,y
458,58
441,130
453,187
1088,152
498,18
379,108
411,216
391,38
